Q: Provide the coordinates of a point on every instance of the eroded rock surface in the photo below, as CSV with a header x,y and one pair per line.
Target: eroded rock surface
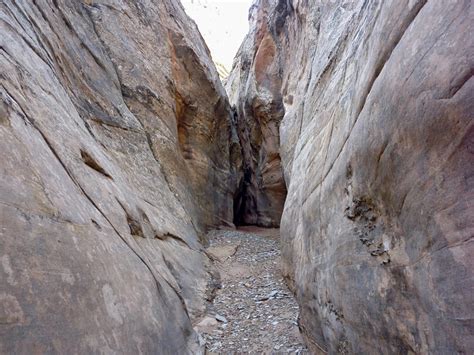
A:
x,y
376,144
254,89
114,150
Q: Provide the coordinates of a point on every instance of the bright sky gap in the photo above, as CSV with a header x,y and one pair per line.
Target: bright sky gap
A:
x,y
222,23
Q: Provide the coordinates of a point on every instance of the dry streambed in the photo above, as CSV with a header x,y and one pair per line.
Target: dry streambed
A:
x,y
253,311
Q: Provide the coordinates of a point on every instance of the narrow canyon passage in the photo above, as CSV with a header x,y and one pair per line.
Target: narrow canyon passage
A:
x,y
253,310
129,148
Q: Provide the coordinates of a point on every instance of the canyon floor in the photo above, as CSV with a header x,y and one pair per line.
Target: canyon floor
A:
x,y
253,310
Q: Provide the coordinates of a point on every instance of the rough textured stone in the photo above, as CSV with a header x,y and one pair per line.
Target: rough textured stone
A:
x,y
377,149
254,89
114,150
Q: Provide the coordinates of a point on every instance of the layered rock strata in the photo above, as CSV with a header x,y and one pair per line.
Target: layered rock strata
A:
x,y
114,150
376,143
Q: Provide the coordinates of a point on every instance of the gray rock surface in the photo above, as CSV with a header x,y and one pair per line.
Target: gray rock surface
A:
x,y
253,311
376,144
114,151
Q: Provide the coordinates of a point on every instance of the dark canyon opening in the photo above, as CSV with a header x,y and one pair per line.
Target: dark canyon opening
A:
x,y
126,162
261,191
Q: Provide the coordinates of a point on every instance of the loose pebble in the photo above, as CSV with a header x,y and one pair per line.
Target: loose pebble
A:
x,y
255,310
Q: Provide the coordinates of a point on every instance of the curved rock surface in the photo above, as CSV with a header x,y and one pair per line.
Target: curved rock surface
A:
x,y
377,150
114,150
254,89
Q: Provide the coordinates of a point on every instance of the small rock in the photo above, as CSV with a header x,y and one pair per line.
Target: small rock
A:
x,y
221,318
272,294
206,325
201,340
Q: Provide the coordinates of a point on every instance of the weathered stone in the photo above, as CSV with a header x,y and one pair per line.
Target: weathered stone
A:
x,y
376,146
207,325
221,318
118,148
254,89
222,253
114,150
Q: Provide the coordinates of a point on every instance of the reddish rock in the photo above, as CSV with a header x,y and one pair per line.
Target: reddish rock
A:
x,y
254,88
376,145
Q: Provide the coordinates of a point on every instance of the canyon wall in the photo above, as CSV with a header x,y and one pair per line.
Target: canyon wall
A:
x,y
114,150
376,143
254,89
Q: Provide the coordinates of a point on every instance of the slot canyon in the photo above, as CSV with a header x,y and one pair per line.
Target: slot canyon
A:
x,y
317,200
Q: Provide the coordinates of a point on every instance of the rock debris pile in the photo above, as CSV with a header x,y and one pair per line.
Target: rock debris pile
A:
x,y
253,310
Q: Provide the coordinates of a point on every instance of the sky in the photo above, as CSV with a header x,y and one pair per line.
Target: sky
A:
x,y
223,24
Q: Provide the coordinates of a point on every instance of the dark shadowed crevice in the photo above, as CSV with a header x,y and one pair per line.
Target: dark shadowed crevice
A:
x,y
261,207
93,164
241,199
261,191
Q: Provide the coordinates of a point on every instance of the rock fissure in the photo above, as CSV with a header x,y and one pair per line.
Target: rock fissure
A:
x,y
345,123
92,163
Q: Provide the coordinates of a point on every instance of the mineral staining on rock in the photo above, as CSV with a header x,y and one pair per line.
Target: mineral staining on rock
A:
x,y
119,149
375,138
115,158
254,88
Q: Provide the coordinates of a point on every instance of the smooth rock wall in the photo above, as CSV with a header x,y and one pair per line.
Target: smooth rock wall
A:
x,y
376,144
114,151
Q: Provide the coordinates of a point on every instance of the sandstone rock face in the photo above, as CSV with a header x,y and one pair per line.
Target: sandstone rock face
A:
x,y
377,149
254,89
114,150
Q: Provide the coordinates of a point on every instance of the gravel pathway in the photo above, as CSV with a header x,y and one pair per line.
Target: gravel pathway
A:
x,y
253,311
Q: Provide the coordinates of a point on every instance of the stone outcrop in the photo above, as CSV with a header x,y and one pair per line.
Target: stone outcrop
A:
x,y
376,142
114,150
254,89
